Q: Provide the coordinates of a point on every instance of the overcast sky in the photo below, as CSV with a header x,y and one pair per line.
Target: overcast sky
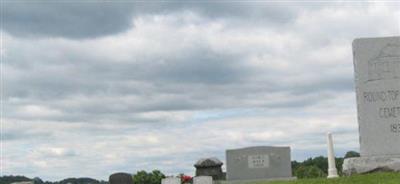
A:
x,y
91,88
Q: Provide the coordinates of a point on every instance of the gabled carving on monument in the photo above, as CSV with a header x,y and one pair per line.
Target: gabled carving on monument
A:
x,y
386,65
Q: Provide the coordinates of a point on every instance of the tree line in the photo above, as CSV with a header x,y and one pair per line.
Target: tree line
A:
x,y
318,166
311,168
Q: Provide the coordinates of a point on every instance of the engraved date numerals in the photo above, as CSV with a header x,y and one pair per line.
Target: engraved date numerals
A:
x,y
395,128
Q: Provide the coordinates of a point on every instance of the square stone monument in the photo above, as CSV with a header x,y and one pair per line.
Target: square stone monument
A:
x,y
258,163
377,82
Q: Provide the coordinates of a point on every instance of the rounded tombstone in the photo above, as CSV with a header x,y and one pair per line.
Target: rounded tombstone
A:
x,y
209,167
120,178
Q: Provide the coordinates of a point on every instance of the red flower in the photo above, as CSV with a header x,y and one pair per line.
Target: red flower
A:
x,y
186,178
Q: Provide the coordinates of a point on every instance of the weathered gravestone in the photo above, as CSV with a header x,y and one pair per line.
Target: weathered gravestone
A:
x,y
259,163
203,180
377,79
209,167
171,180
120,178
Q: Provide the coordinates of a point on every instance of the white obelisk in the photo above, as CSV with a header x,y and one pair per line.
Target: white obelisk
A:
x,y
332,171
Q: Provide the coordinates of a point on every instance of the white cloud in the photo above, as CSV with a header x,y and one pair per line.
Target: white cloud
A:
x,y
37,111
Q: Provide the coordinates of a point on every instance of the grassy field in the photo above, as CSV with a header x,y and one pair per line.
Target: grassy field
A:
x,y
376,178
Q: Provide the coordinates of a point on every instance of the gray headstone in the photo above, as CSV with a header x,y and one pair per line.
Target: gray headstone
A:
x,y
258,163
171,180
120,178
377,79
203,180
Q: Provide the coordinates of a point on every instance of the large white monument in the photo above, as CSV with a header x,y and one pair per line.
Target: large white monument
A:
x,y
377,80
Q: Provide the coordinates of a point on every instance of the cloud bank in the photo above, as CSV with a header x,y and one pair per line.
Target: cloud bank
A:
x,y
92,88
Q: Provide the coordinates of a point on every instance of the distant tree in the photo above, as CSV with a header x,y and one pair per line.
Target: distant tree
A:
x,y
309,171
320,162
351,154
156,176
37,180
79,181
295,165
339,164
142,177
11,179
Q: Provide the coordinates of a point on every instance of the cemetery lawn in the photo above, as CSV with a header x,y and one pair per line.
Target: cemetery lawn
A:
x,y
376,178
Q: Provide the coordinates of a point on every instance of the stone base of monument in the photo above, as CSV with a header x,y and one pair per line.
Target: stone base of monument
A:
x,y
255,180
361,165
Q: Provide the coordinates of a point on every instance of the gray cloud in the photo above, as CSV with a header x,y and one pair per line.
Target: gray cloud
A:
x,y
91,19
21,135
88,19
65,19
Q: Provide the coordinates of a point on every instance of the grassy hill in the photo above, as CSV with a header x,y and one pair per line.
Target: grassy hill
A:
x,y
376,178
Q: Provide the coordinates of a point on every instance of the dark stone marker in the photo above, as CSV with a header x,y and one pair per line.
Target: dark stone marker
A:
x,y
210,167
120,178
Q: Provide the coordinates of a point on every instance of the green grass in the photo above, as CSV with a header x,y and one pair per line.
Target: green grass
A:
x,y
376,178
